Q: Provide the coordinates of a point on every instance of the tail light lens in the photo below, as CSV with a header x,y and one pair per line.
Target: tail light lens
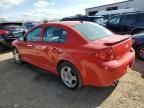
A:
x,y
105,55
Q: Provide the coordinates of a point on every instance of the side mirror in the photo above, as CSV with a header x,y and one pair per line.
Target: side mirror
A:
x,y
21,38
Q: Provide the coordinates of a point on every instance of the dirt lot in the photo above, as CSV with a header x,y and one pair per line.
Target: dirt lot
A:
x,y
25,86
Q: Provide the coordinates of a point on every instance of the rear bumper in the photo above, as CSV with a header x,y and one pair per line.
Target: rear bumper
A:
x,y
116,69
111,71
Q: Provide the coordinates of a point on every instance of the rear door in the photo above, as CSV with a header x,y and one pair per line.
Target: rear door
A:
x,y
53,40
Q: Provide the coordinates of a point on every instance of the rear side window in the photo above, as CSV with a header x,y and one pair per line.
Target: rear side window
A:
x,y
55,34
92,31
129,19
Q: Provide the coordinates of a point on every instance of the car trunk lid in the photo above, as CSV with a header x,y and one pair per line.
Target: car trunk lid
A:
x,y
117,44
120,44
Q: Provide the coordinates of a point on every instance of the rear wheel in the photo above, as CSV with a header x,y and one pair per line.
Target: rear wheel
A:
x,y
16,55
140,52
70,76
2,48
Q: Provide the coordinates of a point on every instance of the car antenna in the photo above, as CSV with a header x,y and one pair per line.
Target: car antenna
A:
x,y
80,17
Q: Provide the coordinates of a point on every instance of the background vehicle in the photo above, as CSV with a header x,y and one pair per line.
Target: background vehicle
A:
x,y
109,14
9,31
82,53
4,41
96,19
130,23
138,45
15,29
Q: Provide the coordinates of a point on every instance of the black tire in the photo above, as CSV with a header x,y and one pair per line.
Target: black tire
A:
x,y
74,72
2,48
137,31
139,52
17,60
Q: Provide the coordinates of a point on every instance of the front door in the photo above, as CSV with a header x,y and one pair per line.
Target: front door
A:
x,y
30,44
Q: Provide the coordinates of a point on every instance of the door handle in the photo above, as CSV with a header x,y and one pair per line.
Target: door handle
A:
x,y
55,50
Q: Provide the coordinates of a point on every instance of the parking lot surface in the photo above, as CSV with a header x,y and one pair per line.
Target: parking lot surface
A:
x,y
25,86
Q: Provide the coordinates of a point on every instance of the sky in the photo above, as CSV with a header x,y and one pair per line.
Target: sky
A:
x,y
46,9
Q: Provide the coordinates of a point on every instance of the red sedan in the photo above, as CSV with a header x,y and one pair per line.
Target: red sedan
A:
x,y
81,53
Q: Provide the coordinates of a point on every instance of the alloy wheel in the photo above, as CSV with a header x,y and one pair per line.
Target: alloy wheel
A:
x,y
69,77
141,53
16,56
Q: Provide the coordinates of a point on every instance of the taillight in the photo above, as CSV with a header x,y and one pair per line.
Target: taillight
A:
x,y
7,32
105,55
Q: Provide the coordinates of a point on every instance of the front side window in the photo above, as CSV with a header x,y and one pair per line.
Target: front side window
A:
x,y
92,31
54,34
115,20
34,35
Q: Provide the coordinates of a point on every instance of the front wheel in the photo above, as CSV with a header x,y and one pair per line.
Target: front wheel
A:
x,y
70,76
16,55
2,48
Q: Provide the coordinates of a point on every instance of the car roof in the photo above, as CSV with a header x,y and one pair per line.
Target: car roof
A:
x,y
85,16
67,23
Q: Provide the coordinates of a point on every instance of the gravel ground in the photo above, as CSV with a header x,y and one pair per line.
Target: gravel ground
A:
x,y
25,86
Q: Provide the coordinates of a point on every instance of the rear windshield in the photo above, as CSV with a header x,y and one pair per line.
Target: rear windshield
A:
x,y
11,26
92,31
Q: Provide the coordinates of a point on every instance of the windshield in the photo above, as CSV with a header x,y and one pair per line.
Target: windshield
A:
x,y
29,26
92,31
